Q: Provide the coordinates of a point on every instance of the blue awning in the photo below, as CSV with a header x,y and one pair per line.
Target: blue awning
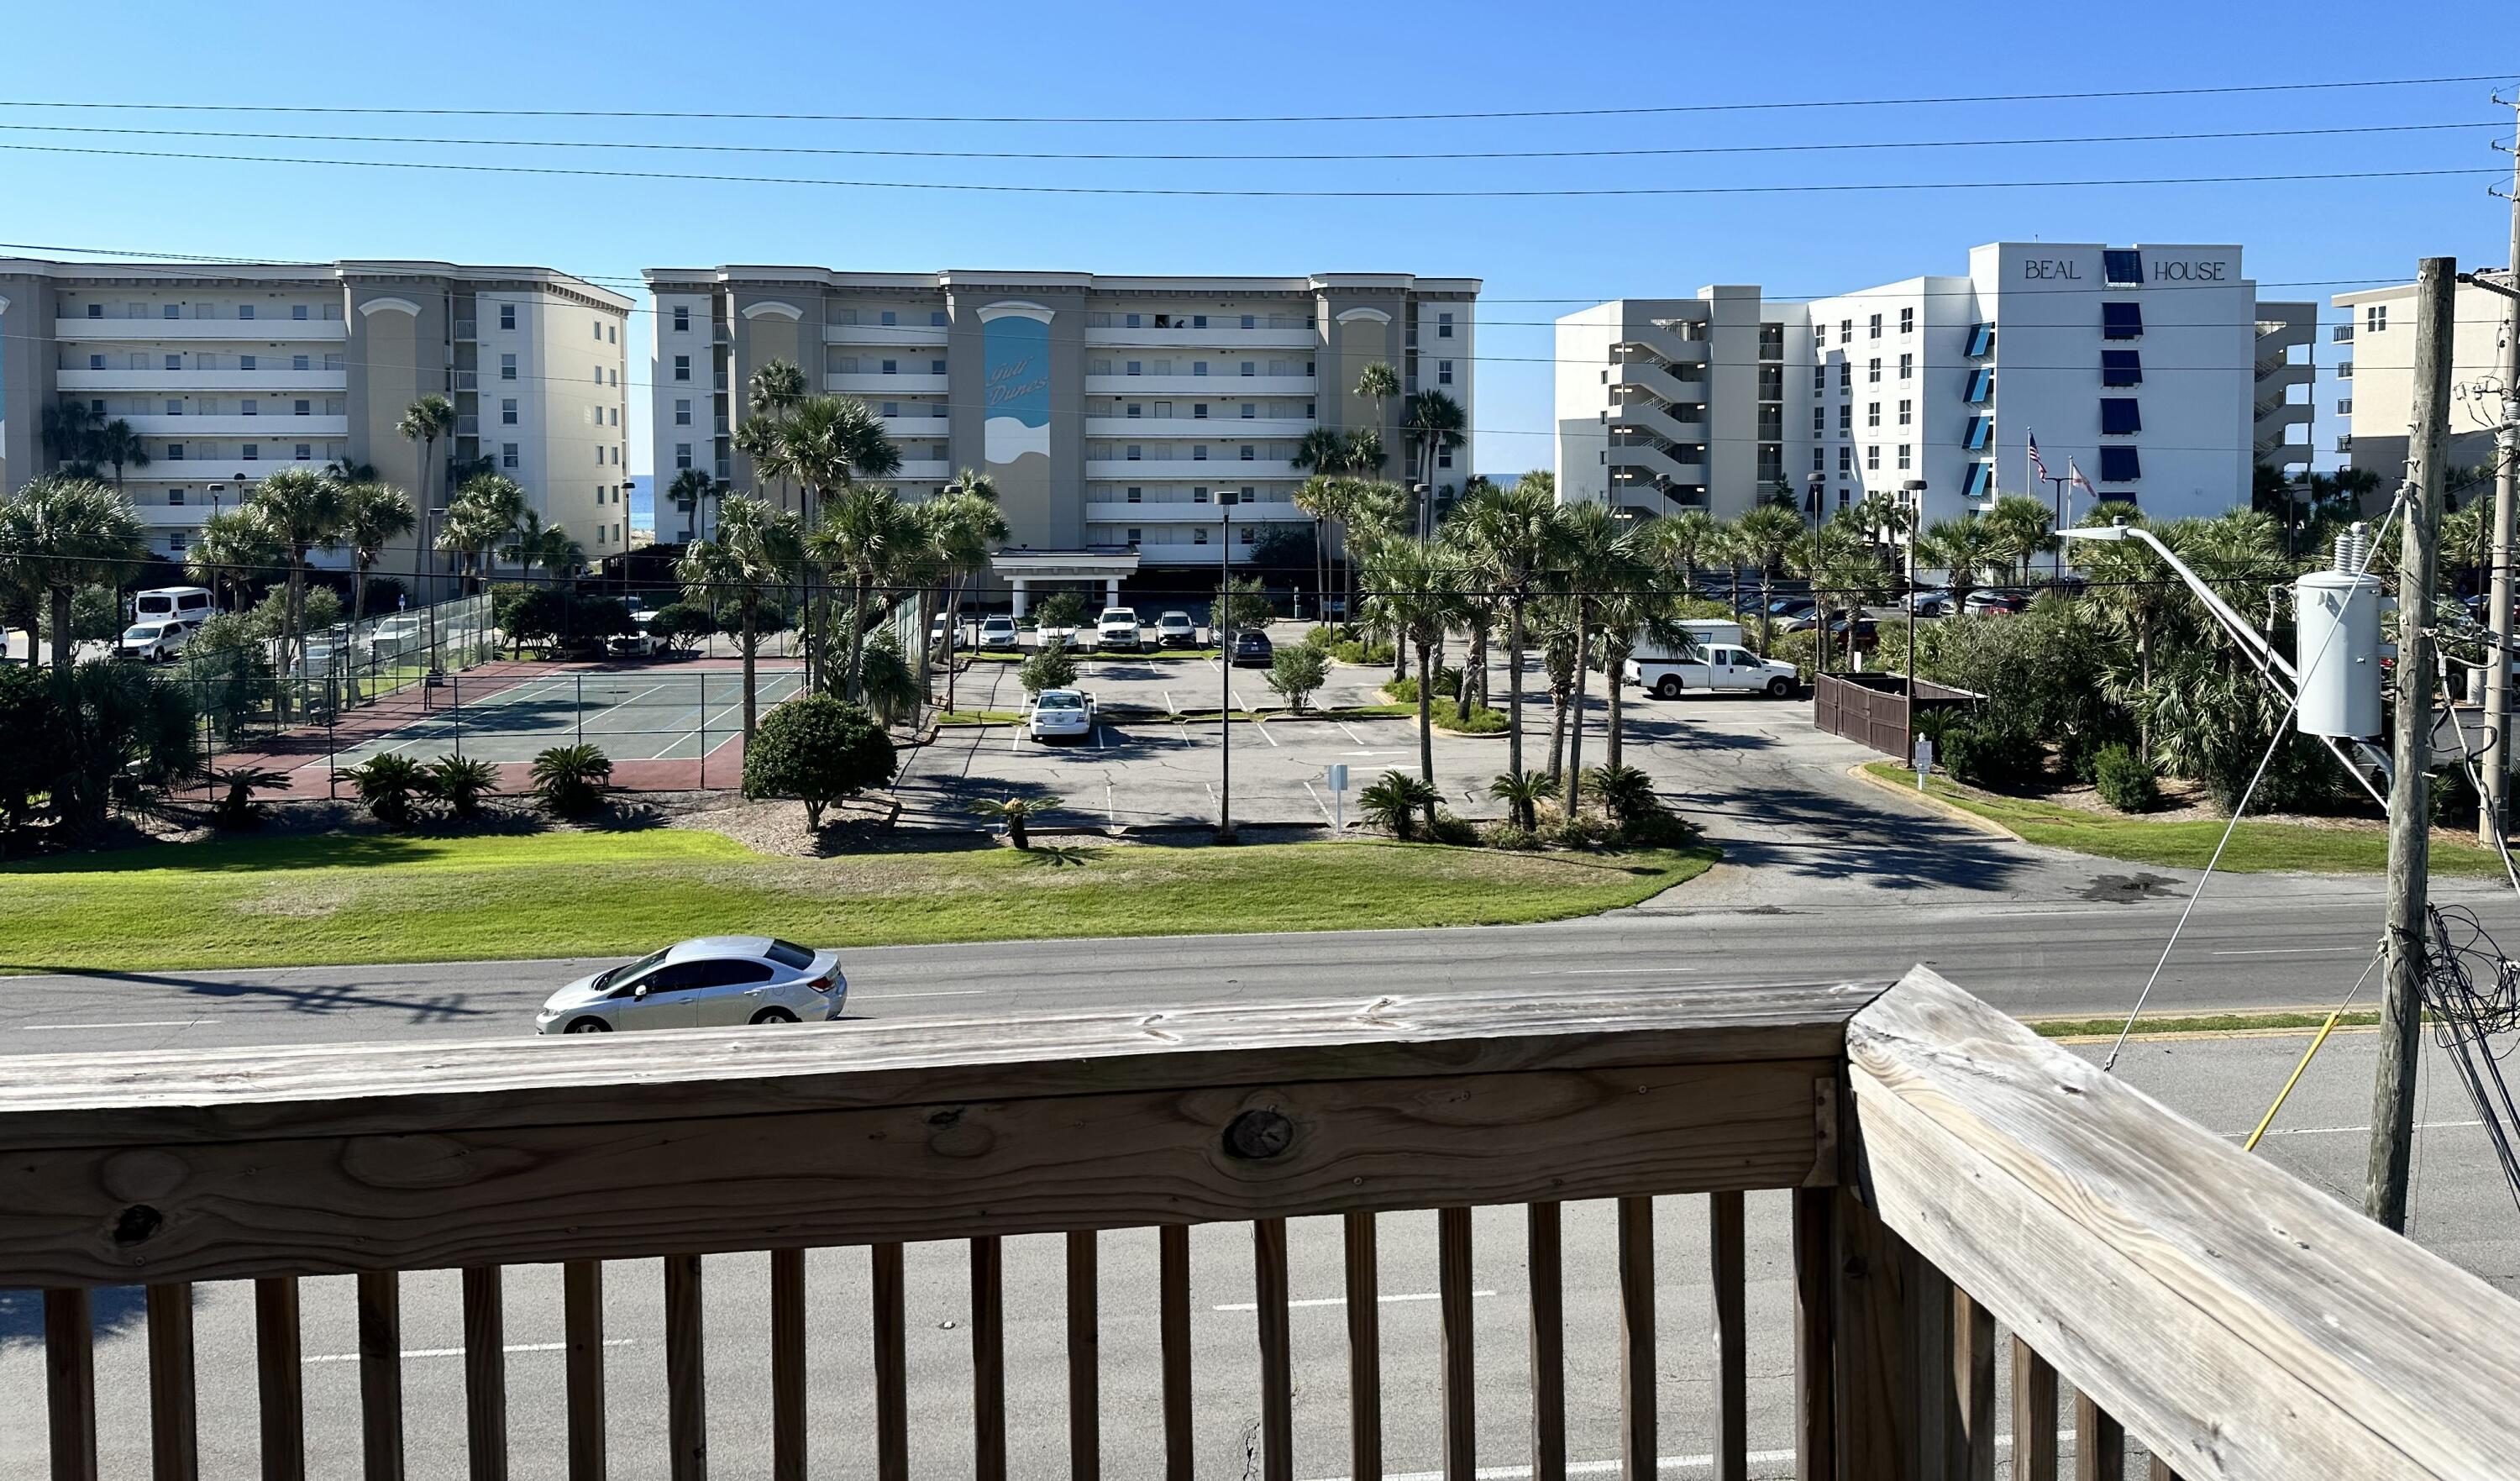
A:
x,y
2122,267
2120,464
1981,339
2121,321
2120,416
2121,367
1981,385
1981,431
1979,479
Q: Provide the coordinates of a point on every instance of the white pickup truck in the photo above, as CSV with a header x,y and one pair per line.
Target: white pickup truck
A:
x,y
1718,666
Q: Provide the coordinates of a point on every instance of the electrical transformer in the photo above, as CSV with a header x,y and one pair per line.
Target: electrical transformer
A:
x,y
2337,649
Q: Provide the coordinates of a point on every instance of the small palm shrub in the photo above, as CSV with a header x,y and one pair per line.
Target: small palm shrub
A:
x,y
1623,791
1393,802
461,783
1016,813
1522,792
2123,780
236,809
388,784
571,780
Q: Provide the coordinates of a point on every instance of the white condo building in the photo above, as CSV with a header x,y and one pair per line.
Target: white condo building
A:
x,y
1116,415
228,372
2154,370
2377,384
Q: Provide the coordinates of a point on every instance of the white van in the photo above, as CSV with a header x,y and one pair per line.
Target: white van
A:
x,y
156,641
1706,630
157,604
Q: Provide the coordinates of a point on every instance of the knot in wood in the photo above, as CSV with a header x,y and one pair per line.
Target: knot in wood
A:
x,y
1256,1135
136,1223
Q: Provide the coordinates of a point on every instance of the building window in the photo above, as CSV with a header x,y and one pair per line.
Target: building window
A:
x,y
1907,415
2120,416
175,542
1246,534
1443,457
1903,459
506,367
1135,368
1875,327
175,496
1198,537
296,311
1199,410
174,406
2376,319
1771,342
508,454
888,318
1443,326
172,310
682,317
251,452
1134,320
1871,414
245,361
507,316
1251,367
1872,372
2121,367
1199,368
936,318
1907,367
174,452
1820,379
298,361
1250,321
1198,453
2122,268
1846,418
1846,375
1820,460
302,408
1873,459
682,411
1134,452
2120,464
1136,494
1819,419
1198,495
1846,331
1845,460
1250,411
1907,321
2121,321
508,412
306,451
174,362
96,310
935,366
1443,373
891,367
682,455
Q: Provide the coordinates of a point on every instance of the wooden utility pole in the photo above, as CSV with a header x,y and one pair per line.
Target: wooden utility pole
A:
x,y
2493,814
2401,1005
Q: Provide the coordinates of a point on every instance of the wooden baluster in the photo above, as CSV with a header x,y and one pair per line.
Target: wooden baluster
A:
x,y
1084,1355
988,1359
583,1338
1815,1335
1277,1355
685,1370
2099,1443
174,1443
70,1381
281,1375
1546,1262
380,1374
485,1373
1638,1442
891,1369
1172,1297
787,1365
1723,1258
1928,1296
1873,1345
1364,1283
2161,1470
1461,1360
1973,1377
2034,1416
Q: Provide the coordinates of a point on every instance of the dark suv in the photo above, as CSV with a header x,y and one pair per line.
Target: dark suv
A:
x,y
1252,649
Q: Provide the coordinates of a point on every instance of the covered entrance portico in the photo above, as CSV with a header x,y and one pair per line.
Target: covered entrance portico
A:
x,y
1021,570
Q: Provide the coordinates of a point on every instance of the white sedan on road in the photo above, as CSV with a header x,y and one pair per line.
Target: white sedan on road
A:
x,y
1061,714
707,982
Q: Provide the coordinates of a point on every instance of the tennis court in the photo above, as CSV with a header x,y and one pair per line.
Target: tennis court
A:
x,y
643,715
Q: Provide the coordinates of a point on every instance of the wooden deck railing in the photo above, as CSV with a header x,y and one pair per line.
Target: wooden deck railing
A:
x,y
1947,1170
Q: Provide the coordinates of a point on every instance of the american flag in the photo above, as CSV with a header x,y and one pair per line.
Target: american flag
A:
x,y
2037,467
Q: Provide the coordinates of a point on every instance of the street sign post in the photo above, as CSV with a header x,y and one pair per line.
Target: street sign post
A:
x,y
1338,798
1925,760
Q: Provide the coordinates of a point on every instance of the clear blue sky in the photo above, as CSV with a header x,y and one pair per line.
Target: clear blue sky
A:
x,y
1303,57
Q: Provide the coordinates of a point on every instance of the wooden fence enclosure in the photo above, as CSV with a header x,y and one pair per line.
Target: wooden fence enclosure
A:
x,y
1946,1172
1872,709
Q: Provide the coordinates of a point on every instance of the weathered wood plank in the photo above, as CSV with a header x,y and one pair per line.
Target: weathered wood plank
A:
x,y
988,1359
380,1375
2035,1447
1460,1344
486,1371
1084,1356
174,1440
2160,1471
2243,1323
2099,1443
891,1364
685,1370
1172,1326
69,1382
1277,1351
608,1189
1363,1281
280,1374
164,1097
1933,1395
1973,1384
1640,1438
1546,1261
787,1390
1728,1284
1875,1421
583,1335
1815,1335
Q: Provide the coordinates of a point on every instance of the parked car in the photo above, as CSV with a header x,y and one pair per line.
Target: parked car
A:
x,y
1864,634
1061,714
707,982
190,603
1791,607
1176,630
1932,603
156,640
1116,628
997,632
1995,604
639,645
1720,666
1252,649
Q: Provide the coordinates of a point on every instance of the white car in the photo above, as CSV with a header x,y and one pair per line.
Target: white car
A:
x,y
1061,714
1176,630
709,982
155,642
1721,666
997,632
1117,627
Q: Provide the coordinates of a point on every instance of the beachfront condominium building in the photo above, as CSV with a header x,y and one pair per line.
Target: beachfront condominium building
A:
x,y
2153,371
228,372
2377,388
1128,422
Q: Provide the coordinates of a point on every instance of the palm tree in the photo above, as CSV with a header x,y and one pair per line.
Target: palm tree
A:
x,y
1687,540
1509,537
870,534
1639,599
373,516
1967,547
689,488
827,443
423,422
234,546
60,533
964,525
68,432
777,388
1417,588
305,511
1377,383
747,557
764,440
2023,529
1764,536
481,515
1435,423
116,445
1323,453
1520,792
1594,537
531,543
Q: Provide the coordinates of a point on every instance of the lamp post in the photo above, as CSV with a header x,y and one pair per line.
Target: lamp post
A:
x,y
1915,488
1222,623
1817,485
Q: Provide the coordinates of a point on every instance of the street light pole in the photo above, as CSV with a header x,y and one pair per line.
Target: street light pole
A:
x,y
1222,623
1915,488
1818,484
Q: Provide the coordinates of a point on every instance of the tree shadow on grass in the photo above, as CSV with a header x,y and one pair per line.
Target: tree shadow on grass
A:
x,y
1058,856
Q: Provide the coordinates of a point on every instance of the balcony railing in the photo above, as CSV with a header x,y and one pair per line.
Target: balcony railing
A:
x,y
1934,1170
465,330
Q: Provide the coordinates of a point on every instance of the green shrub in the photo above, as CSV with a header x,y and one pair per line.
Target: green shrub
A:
x,y
1393,802
1512,837
818,749
1455,829
885,684
124,738
1367,654
2123,780
1295,672
227,671
571,780
236,809
1623,791
33,758
388,784
680,625
1480,721
1324,640
1448,681
1522,792
1657,828
459,782
1050,668
1801,650
1063,609
1983,755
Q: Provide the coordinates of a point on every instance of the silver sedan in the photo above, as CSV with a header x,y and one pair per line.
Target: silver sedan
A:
x,y
709,982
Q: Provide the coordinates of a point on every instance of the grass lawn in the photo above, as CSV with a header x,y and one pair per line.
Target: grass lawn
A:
x,y
980,716
385,898
2256,847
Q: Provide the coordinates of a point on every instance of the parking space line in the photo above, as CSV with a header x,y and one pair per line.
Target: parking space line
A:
x,y
1323,806
1262,726
1110,805
1351,732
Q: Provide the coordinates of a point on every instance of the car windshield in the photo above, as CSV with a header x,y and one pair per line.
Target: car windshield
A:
x,y
140,634
631,968
1119,614
788,954
1057,701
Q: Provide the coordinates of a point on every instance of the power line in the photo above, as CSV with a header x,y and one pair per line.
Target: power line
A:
x,y
1635,111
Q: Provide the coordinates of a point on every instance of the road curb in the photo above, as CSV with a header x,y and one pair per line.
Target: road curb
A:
x,y
1957,814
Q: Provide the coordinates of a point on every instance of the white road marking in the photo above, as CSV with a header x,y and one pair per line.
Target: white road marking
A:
x,y
1323,806
1351,732
1170,707
64,1028
457,1352
1014,741
1428,1295
1262,727
954,992
1110,805
2338,1131
2292,951
1609,971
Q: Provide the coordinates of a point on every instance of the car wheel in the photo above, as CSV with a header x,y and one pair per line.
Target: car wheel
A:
x,y
1780,688
590,1026
774,1015
1669,688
